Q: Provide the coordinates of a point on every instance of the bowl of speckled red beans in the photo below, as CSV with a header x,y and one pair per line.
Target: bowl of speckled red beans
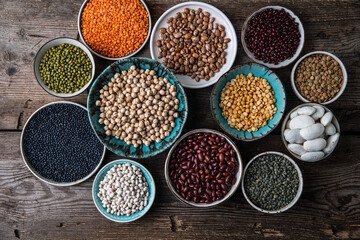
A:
x,y
273,36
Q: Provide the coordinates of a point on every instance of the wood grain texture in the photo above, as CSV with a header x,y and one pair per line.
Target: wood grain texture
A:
x,y
30,209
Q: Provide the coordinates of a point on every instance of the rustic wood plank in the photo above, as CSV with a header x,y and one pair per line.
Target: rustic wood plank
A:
x,y
329,207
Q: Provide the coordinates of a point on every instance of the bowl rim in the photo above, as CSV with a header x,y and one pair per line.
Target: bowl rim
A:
x,y
298,194
343,69
121,161
103,56
185,110
270,65
68,95
38,175
204,4
286,119
228,195
212,95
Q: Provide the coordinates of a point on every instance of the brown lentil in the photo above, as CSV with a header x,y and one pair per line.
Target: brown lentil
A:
x,y
247,102
193,44
319,78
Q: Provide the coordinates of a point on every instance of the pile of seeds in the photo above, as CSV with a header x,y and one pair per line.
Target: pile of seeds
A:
x,y
271,182
193,44
272,35
114,28
65,68
138,107
203,168
247,102
60,145
319,78
124,190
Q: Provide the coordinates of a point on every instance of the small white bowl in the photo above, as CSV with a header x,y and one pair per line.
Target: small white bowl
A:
x,y
239,174
57,42
343,69
298,194
105,57
286,61
220,18
286,119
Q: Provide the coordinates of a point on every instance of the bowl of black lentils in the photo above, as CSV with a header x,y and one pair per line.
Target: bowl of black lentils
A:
x,y
59,146
319,77
272,182
273,36
64,67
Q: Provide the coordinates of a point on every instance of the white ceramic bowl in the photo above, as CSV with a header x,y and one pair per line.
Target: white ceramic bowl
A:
x,y
220,18
343,69
34,172
105,57
56,42
286,61
239,174
286,119
298,194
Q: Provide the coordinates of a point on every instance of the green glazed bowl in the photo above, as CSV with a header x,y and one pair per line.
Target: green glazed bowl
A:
x,y
113,217
118,146
258,71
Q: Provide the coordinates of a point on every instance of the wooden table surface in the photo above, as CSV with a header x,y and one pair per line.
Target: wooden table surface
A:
x,y
329,207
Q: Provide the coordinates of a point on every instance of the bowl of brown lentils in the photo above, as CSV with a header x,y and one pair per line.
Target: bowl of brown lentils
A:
x,y
319,77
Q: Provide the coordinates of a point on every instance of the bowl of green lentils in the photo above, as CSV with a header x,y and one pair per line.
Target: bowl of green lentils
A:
x,y
272,182
64,67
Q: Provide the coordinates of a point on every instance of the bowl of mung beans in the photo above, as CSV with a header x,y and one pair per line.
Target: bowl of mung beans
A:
x,y
64,67
248,101
319,77
114,29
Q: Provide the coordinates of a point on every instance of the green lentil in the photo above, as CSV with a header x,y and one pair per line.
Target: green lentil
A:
x,y
271,182
65,68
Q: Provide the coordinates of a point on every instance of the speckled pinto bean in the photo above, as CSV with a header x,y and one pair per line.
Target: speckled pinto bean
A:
x,y
203,167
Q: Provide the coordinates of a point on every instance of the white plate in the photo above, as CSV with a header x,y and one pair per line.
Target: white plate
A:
x,y
220,18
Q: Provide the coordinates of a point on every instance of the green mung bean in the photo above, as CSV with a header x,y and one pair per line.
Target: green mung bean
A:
x,y
271,182
65,68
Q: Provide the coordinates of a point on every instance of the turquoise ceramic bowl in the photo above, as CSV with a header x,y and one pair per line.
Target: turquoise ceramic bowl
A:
x,y
258,71
118,146
113,217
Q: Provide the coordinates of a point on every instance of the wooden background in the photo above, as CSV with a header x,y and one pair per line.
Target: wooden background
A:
x,y
329,207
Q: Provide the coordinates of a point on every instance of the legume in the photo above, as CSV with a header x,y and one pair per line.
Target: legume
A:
x,y
272,35
124,190
114,28
319,78
60,145
193,44
203,167
247,102
65,68
271,182
138,107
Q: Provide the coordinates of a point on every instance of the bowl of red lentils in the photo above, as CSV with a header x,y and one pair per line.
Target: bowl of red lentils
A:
x,y
319,77
114,29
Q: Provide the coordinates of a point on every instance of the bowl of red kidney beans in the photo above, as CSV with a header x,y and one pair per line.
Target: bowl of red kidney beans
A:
x,y
273,36
203,168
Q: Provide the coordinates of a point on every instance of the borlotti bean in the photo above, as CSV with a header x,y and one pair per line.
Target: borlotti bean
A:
x,y
310,133
124,190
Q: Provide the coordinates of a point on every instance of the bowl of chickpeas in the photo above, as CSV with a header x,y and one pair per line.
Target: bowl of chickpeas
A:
x,y
248,101
137,107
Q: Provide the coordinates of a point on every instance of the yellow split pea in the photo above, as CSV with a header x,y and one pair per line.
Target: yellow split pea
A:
x,y
247,102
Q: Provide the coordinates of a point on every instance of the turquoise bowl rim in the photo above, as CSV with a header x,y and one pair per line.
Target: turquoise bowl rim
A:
x,y
222,79
152,153
113,217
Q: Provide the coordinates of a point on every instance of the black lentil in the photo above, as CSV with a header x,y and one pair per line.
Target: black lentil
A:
x,y
65,68
60,144
271,182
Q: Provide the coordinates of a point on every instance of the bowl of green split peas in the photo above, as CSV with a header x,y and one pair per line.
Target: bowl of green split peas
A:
x,y
64,67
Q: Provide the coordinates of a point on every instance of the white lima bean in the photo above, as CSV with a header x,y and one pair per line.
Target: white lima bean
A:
x,y
293,136
124,190
306,110
312,132
319,112
330,129
296,148
326,119
301,121
312,156
331,143
314,145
